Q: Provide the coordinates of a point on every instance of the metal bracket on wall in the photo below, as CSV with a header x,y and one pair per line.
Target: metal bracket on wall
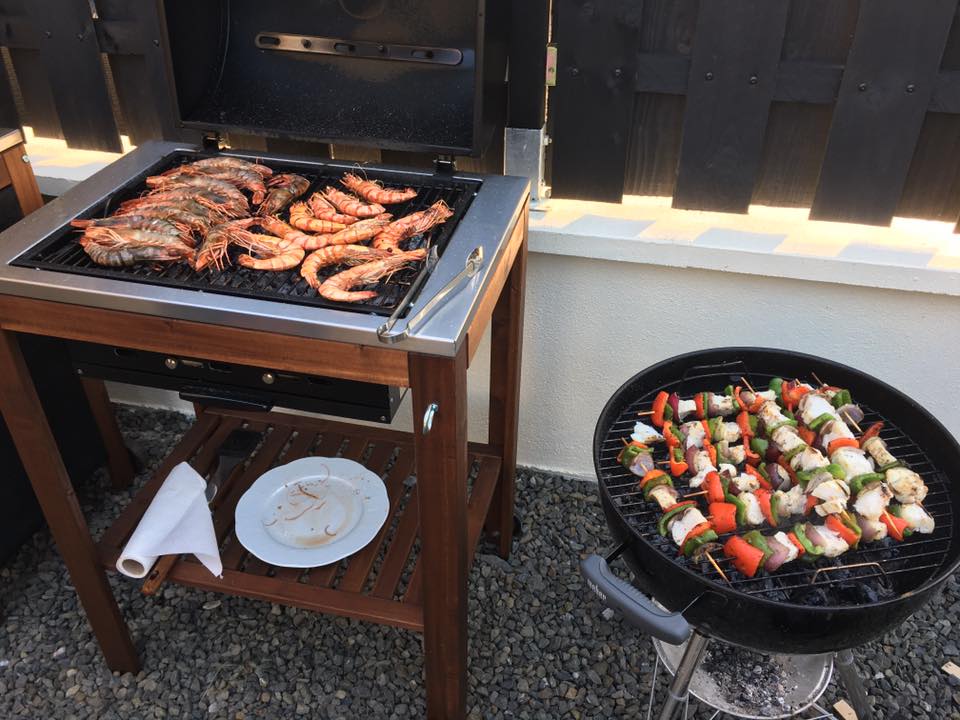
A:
x,y
524,153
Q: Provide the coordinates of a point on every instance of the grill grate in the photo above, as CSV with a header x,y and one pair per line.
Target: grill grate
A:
x,y
885,569
61,252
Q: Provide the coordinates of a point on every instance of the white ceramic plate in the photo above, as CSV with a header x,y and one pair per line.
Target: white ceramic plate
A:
x,y
310,512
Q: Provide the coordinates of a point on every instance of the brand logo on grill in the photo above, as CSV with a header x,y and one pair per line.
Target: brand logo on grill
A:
x,y
596,590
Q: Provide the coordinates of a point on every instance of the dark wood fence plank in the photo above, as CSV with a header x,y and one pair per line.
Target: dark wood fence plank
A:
x,y
529,32
594,96
39,106
732,80
71,56
887,86
9,118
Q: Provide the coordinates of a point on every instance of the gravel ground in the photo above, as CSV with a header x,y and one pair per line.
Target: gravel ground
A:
x,y
539,647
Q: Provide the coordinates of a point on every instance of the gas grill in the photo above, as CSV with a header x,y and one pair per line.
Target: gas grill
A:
x,y
426,76
823,607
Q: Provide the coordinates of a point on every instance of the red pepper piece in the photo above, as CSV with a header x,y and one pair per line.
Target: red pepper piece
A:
x,y
841,442
743,422
701,410
872,431
714,487
764,483
895,525
659,403
749,455
763,498
807,435
746,558
711,450
796,543
677,467
836,524
812,502
723,516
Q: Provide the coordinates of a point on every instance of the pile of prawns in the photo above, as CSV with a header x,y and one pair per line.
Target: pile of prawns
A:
x,y
195,212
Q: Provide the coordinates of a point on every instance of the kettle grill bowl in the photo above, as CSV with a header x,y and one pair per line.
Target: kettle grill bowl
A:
x,y
774,620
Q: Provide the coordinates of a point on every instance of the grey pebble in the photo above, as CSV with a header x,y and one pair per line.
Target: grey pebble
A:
x,y
540,644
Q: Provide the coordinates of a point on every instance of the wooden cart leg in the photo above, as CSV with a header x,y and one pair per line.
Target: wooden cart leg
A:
x,y
119,462
22,178
441,455
41,458
506,342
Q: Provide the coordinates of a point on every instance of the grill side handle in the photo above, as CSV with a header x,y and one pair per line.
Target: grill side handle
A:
x,y
636,607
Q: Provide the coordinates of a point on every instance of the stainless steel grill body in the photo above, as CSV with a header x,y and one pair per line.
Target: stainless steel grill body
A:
x,y
487,224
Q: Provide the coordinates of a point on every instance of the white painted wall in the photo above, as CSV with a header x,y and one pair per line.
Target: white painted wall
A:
x,y
587,331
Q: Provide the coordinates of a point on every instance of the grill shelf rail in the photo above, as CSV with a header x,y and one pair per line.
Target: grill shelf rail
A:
x,y
878,571
61,252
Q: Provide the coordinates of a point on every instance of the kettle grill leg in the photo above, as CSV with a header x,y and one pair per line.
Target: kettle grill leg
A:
x,y
677,694
853,684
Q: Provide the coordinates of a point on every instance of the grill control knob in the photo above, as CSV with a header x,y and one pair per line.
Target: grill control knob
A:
x,y
268,378
171,363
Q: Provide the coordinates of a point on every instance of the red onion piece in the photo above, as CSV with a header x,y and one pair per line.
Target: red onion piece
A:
x,y
813,536
690,455
851,414
780,554
674,402
642,464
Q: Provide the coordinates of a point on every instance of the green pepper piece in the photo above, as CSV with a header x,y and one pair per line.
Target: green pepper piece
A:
x,y
788,421
741,508
894,510
851,522
656,482
706,404
804,476
702,539
762,469
860,481
759,446
774,385
754,422
728,391
813,551
836,471
756,538
820,420
795,451
667,412
629,454
842,398
775,506
672,512
890,466
789,414
716,428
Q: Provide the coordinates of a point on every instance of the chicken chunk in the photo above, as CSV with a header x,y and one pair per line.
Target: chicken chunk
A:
x,y
872,501
853,462
686,521
917,518
813,405
907,486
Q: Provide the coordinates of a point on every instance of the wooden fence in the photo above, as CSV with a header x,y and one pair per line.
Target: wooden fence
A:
x,y
849,108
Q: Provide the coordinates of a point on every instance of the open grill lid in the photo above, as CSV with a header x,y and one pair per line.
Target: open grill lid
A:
x,y
420,75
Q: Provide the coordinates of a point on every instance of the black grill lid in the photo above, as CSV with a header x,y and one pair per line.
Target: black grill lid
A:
x,y
422,75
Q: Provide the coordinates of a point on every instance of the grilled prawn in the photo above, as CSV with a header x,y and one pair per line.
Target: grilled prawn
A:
x,y
284,189
414,224
240,178
337,255
374,192
323,209
302,219
223,162
337,287
272,257
350,205
130,254
201,181
288,235
213,250
358,232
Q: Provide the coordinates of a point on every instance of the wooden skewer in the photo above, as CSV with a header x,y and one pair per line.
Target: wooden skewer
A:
x,y
717,567
747,383
644,413
696,494
820,382
625,442
853,422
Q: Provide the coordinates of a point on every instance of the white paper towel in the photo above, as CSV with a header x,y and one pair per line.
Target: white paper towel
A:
x,y
178,521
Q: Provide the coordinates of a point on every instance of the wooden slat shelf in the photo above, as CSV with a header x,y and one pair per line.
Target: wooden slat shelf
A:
x,y
374,584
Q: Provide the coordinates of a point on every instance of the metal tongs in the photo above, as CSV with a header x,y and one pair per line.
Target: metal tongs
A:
x,y
472,267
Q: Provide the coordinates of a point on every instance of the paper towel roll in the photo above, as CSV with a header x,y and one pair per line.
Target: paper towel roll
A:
x,y
178,521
